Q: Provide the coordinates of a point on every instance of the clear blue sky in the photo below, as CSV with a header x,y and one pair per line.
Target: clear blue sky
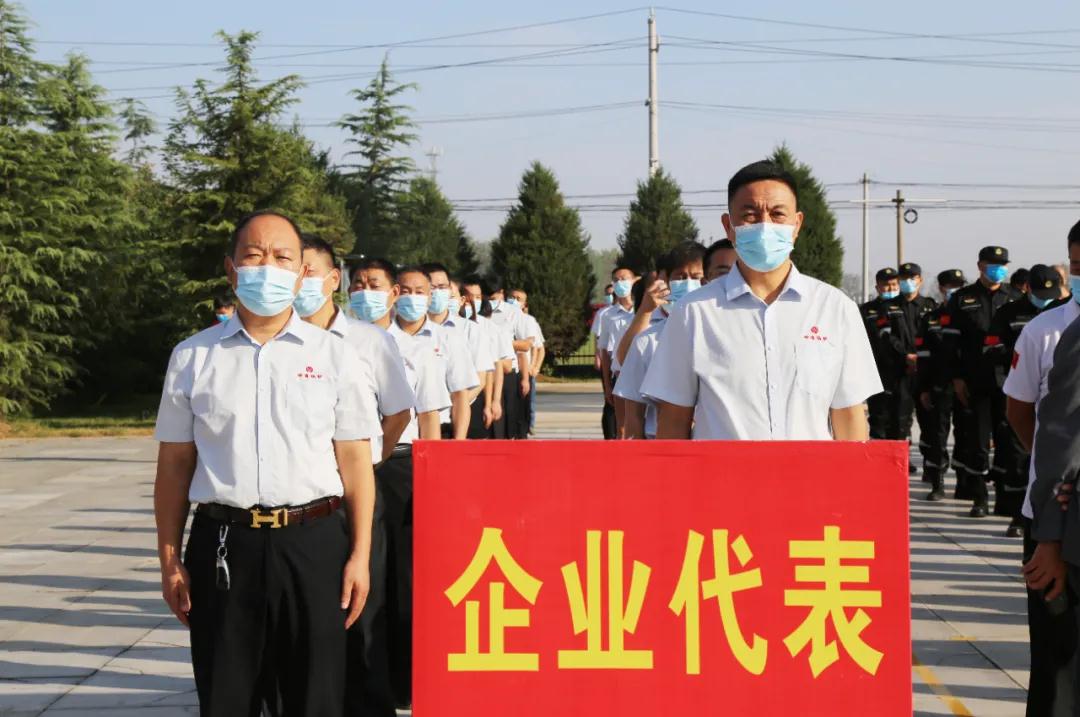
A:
x,y
950,120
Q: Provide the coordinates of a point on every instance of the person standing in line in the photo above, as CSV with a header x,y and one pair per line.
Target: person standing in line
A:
x,y
764,353
936,388
719,258
1052,636
916,309
516,387
536,358
224,308
265,423
476,308
976,378
878,315
614,322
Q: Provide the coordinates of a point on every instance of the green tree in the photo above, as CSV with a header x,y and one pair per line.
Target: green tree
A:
x,y
818,252
427,229
138,126
543,249
376,174
466,260
227,155
603,262
656,224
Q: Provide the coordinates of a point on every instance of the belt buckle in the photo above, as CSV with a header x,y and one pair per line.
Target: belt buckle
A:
x,y
276,518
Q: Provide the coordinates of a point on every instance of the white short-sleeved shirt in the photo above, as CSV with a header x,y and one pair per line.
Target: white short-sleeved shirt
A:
x,y
264,418
637,363
614,324
534,331
447,348
1031,364
466,338
379,350
754,371
598,320
511,321
425,370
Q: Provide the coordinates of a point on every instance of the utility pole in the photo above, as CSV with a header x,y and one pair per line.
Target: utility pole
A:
x,y
433,154
865,238
654,100
899,202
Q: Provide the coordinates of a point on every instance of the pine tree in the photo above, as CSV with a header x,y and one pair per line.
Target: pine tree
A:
x,y
543,249
427,229
378,175
227,155
466,262
656,223
818,251
138,126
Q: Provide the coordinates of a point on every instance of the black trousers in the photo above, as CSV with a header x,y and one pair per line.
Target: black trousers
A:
x,y
878,409
935,437
892,412
515,408
1051,690
278,632
477,429
986,411
607,418
395,480
927,425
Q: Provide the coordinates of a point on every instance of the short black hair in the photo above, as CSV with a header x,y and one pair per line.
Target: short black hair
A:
x,y
248,218
762,171
474,280
317,244
224,302
609,286
1019,278
1074,234
685,253
432,267
412,269
715,247
622,267
663,263
367,264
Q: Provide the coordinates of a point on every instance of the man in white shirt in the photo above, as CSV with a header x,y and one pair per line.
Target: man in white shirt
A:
x,y
501,348
516,387
1025,387
538,353
764,353
265,423
612,323
374,295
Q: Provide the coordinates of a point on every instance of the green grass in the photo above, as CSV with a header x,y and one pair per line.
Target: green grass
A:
x,y
131,417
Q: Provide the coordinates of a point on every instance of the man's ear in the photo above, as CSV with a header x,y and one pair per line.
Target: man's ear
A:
x,y
728,229
798,226
335,280
230,271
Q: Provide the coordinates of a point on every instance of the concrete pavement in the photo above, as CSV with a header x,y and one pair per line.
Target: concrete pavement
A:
x,y
83,630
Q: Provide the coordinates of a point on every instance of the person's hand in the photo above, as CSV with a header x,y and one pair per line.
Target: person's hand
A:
x,y
926,400
962,393
1044,568
176,589
655,296
525,387
496,411
1065,495
489,416
355,583
534,371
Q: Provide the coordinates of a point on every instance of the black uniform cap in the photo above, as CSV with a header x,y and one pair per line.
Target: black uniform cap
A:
x,y
1044,282
951,276
910,269
994,254
886,274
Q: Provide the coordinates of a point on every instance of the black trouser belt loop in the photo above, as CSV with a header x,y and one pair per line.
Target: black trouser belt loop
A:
x,y
262,517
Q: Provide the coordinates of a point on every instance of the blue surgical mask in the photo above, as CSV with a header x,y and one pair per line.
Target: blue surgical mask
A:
x,y
454,307
412,307
623,287
609,299
1074,286
440,301
511,301
495,303
890,295
369,305
221,318
311,297
682,287
265,290
949,293
1038,303
997,273
468,311
908,286
764,247
478,304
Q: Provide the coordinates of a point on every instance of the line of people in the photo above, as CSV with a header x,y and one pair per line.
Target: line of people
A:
x,y
289,424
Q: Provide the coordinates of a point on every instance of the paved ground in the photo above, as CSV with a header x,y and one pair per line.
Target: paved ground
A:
x,y
83,630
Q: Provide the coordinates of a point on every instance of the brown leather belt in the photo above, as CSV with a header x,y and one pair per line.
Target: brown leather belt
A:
x,y
260,517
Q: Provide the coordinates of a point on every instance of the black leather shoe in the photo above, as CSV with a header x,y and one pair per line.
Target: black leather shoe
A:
x,y
978,511
936,495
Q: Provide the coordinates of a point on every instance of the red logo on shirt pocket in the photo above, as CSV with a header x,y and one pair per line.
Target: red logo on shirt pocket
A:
x,y
816,335
309,372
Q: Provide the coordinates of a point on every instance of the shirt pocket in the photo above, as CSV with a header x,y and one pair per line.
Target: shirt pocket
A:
x,y
311,404
209,412
817,368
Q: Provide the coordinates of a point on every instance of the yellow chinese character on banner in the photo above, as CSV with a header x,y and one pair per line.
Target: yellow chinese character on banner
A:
x,y
622,617
690,591
830,602
500,617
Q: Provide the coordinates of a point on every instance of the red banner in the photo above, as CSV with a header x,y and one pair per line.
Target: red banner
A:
x,y
661,578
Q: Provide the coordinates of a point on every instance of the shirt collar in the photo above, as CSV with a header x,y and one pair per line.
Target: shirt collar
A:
x,y
340,324
735,284
425,330
294,328
1073,312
